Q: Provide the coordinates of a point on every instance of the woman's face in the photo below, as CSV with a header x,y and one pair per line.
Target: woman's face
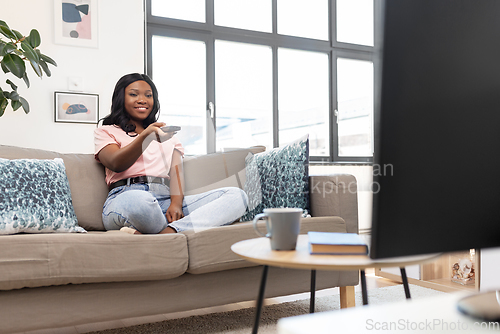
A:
x,y
138,100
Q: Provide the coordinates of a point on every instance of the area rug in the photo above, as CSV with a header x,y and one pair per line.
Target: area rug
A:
x,y
241,321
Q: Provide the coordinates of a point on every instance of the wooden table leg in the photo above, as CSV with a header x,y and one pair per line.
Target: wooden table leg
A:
x,y
260,299
347,297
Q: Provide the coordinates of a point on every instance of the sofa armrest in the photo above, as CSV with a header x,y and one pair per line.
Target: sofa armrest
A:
x,y
335,195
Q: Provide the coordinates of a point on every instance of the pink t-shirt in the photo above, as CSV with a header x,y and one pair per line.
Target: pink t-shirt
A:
x,y
154,161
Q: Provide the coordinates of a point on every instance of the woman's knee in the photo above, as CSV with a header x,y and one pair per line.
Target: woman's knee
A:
x,y
238,195
241,193
139,209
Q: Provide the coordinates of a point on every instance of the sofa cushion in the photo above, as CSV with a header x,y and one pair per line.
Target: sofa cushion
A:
x,y
335,195
217,170
210,250
35,197
33,260
86,180
278,178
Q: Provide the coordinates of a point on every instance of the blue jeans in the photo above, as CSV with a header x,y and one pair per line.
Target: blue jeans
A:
x,y
143,207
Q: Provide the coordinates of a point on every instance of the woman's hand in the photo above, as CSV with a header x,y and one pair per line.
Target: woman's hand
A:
x,y
162,136
174,212
159,135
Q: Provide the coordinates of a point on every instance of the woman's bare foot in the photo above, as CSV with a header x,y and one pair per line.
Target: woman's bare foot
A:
x,y
129,230
168,230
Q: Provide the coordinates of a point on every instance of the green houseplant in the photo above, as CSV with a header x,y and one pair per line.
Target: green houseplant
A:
x,y
15,51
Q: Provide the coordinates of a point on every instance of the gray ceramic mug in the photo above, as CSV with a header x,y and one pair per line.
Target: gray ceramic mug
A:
x,y
283,226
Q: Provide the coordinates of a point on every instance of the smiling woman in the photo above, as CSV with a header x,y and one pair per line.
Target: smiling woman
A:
x,y
144,170
138,100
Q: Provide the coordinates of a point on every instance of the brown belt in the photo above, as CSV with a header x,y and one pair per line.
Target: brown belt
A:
x,y
141,180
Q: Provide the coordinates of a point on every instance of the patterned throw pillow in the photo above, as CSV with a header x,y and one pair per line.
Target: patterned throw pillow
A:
x,y
278,178
35,197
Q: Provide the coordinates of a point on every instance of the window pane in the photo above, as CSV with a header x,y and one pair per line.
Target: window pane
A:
x,y
244,100
190,10
303,18
303,98
244,14
179,74
355,106
355,21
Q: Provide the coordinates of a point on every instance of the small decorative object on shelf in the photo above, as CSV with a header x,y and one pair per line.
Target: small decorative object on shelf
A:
x,y
463,268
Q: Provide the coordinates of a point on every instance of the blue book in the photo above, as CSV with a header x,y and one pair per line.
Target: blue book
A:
x,y
336,243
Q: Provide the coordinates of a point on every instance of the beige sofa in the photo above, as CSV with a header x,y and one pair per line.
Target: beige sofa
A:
x,y
63,279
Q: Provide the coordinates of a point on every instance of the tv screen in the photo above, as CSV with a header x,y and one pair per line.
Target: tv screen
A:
x,y
437,128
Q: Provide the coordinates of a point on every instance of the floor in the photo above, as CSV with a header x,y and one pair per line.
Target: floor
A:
x,y
372,282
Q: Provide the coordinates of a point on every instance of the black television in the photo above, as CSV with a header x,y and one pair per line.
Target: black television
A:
x,y
437,128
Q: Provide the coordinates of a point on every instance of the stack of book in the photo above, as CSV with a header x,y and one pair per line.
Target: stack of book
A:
x,y
337,243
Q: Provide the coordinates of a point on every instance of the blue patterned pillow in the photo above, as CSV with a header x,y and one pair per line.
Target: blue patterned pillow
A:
x,y
35,197
278,178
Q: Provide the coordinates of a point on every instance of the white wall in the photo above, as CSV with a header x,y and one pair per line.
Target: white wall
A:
x,y
120,51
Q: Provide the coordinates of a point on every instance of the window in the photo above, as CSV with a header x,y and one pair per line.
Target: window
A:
x,y
303,18
191,10
355,107
303,98
179,74
237,73
242,14
244,95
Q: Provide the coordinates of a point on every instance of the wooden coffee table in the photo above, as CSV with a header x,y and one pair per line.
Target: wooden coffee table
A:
x,y
259,251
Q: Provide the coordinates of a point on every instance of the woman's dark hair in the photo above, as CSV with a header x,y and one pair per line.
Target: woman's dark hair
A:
x,y
119,115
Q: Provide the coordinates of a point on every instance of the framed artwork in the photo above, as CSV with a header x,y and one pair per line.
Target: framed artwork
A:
x,y
76,22
76,107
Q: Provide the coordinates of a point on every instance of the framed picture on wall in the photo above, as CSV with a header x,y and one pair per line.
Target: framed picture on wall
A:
x,y
76,107
76,22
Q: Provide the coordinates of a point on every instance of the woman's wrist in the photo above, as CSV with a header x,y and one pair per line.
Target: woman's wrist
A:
x,y
146,137
176,200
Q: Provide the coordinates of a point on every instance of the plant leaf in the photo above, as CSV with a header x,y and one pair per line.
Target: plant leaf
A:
x,y
45,68
19,36
3,105
29,52
3,23
4,68
14,87
34,38
15,105
7,32
47,59
25,104
29,49
2,31
14,64
36,68
7,48
26,80
14,96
